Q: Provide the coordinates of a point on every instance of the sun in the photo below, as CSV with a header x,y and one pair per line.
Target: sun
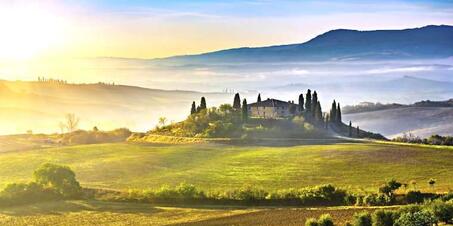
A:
x,y
28,31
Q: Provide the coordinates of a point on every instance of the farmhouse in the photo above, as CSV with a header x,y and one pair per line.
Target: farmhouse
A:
x,y
272,108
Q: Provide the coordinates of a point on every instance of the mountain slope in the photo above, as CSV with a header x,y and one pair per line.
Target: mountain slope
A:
x,y
418,43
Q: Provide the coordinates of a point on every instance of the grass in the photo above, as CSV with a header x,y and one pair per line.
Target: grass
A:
x,y
107,213
222,167
116,213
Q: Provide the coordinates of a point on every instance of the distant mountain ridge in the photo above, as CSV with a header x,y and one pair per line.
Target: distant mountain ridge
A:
x,y
418,43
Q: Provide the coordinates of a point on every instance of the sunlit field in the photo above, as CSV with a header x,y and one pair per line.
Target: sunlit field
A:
x,y
111,213
356,166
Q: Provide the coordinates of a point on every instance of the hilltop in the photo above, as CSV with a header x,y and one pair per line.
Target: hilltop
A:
x,y
342,44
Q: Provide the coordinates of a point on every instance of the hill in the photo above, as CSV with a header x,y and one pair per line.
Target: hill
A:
x,y
40,106
225,167
421,120
342,44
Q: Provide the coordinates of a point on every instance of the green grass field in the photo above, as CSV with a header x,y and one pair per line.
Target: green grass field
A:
x,y
114,213
219,167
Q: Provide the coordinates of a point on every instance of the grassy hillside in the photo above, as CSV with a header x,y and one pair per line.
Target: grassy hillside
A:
x,y
40,106
110,213
220,167
421,121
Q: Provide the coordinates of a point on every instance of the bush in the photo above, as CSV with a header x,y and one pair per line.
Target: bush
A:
x,y
362,219
420,218
377,200
60,178
325,220
441,210
311,222
384,218
16,194
414,197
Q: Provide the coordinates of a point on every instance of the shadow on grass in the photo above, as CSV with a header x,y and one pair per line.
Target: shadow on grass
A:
x,y
61,207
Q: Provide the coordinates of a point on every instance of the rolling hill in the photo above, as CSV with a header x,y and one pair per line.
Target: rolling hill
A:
x,y
423,118
225,167
417,43
40,106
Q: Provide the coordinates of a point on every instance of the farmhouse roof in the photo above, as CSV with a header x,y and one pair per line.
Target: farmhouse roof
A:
x,y
271,103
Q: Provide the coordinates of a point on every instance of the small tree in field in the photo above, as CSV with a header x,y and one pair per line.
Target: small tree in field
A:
x,y
71,122
431,182
60,178
162,121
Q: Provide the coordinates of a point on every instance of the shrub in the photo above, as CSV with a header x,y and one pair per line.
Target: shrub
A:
x,y
362,219
414,197
441,210
311,222
384,218
15,194
377,200
325,220
420,218
60,178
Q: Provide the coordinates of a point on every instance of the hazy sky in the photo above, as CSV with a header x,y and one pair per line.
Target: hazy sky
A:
x,y
149,29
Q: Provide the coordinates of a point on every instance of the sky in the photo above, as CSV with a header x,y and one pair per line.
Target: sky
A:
x,y
153,29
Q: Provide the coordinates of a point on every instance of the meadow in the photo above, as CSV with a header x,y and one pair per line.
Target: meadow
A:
x,y
114,213
218,167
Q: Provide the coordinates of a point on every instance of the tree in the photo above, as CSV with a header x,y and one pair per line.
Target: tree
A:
x,y
301,102
318,112
333,112
203,103
350,129
259,98
60,178
314,103
358,131
237,101
193,110
327,122
308,100
338,114
431,182
71,123
245,113
162,121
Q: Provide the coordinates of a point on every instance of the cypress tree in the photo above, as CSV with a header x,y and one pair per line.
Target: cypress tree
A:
x,y
301,102
259,98
237,102
318,112
245,113
333,112
193,110
358,131
314,103
327,122
308,100
338,119
350,129
203,103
